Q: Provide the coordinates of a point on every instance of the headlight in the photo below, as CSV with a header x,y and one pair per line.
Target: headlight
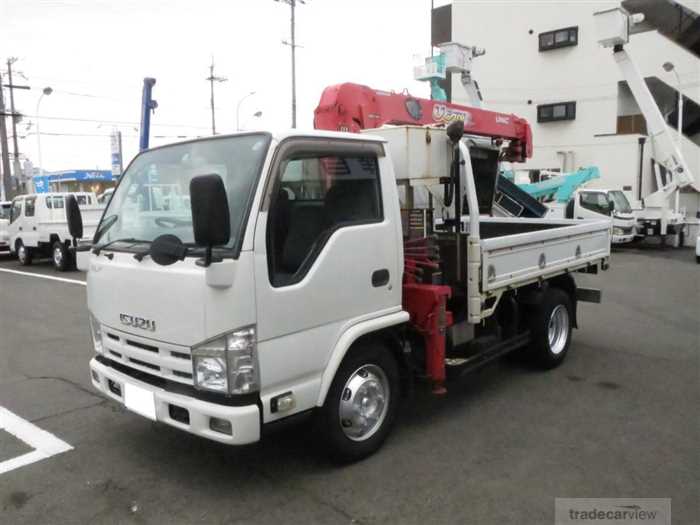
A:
x,y
96,331
227,364
618,231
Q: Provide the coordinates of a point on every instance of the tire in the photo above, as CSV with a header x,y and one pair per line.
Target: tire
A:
x,y
551,326
370,371
24,254
697,259
60,256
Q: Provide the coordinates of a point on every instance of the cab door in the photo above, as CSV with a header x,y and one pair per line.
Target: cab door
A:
x,y
16,216
30,221
325,258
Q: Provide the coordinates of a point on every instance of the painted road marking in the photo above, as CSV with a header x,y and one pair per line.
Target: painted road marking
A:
x,y
42,276
44,443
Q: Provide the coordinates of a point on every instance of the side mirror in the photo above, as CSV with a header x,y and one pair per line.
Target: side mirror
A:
x,y
211,219
611,207
74,218
455,131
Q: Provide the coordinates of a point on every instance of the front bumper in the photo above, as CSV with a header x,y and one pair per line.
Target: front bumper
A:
x,y
245,420
622,239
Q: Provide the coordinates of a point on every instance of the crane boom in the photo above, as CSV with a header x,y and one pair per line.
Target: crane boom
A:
x,y
353,107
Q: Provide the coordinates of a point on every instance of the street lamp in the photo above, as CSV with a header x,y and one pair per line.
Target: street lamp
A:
x,y
46,91
669,67
238,108
257,114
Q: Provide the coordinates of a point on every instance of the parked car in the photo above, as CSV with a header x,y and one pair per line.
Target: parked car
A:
x,y
38,226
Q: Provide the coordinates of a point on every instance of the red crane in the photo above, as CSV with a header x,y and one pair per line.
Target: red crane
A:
x,y
353,107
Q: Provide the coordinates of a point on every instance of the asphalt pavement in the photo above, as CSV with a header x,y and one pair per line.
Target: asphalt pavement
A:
x,y
618,419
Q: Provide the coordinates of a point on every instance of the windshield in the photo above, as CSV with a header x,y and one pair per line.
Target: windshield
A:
x,y
153,197
622,205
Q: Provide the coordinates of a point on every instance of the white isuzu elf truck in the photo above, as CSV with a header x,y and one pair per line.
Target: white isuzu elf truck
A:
x,y
283,280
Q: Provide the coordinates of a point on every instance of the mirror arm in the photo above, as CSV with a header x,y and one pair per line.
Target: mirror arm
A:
x,y
208,258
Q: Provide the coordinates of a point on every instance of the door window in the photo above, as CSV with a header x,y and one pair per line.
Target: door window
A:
x,y
16,210
314,196
29,206
595,202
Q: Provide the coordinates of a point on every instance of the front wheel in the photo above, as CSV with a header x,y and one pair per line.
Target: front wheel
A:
x,y
551,327
24,254
60,256
361,404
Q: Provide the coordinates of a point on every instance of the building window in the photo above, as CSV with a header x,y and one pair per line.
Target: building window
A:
x,y
559,38
555,112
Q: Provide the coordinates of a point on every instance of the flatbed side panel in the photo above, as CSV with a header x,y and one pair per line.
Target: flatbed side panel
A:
x,y
573,227
518,261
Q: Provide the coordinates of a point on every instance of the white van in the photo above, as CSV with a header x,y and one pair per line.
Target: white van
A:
x,y
38,226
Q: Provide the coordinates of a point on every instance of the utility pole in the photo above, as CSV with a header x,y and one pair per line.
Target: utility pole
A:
x,y
293,45
6,186
212,78
17,169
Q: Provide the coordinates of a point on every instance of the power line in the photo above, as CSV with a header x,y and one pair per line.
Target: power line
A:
x,y
104,135
108,121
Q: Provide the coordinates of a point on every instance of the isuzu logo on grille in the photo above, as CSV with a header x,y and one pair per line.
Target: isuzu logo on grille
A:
x,y
138,322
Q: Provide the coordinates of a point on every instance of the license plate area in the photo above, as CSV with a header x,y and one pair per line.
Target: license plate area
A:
x,y
140,400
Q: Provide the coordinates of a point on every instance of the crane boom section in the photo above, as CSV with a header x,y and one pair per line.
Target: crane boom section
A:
x,y
353,107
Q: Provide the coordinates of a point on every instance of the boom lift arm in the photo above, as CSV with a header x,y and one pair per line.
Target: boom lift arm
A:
x,y
614,27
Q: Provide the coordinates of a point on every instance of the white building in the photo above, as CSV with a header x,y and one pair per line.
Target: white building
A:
x,y
543,63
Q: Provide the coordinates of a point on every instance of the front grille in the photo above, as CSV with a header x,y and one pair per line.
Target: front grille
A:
x,y
142,346
169,361
143,363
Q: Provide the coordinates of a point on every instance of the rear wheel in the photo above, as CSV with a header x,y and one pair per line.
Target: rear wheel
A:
x,y
361,404
60,256
24,254
551,328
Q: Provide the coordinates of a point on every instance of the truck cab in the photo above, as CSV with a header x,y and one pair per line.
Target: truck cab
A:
x,y
314,260
38,226
596,204
238,281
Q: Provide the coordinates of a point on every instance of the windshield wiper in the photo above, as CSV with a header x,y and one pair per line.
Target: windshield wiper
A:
x,y
97,249
106,225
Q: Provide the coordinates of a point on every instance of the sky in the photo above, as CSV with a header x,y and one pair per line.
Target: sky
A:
x,y
94,54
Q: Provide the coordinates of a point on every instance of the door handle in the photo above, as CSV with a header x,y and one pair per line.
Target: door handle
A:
x,y
20,228
380,277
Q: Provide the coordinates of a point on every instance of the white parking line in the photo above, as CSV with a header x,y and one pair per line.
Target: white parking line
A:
x,y
44,443
41,276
